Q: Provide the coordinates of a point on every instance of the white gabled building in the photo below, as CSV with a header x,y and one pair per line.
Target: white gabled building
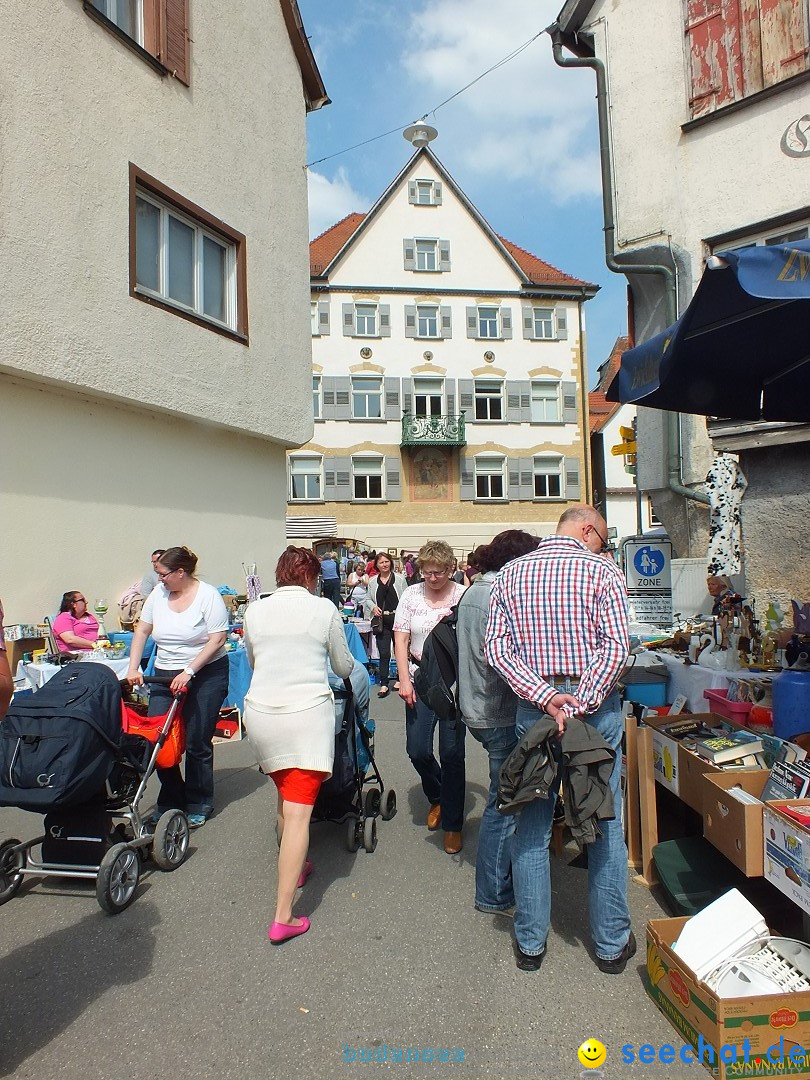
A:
x,y
448,376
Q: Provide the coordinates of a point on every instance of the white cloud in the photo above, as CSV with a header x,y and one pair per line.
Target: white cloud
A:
x,y
331,200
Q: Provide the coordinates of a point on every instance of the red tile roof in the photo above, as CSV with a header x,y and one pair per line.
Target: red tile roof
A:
x,y
537,271
326,246
600,410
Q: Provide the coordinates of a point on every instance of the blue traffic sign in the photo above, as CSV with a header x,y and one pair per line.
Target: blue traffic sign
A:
x,y
649,561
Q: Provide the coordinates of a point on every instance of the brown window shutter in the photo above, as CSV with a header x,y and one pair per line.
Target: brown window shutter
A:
x,y
174,51
713,48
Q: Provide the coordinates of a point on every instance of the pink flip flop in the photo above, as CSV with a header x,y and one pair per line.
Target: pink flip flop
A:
x,y
307,870
282,931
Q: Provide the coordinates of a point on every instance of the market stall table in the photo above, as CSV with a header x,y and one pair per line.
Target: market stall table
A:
x,y
38,674
692,679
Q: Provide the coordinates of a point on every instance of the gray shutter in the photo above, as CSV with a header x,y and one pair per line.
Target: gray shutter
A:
x,y
328,398
407,395
445,322
569,402
525,400
513,479
466,398
472,322
411,191
467,486
409,254
343,399
392,407
527,316
513,413
450,396
323,317
393,482
343,479
526,478
562,325
437,193
572,479
329,489
506,323
385,320
348,320
444,255
410,320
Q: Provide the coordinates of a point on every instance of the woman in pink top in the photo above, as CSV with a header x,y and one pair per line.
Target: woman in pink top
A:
x,y
75,628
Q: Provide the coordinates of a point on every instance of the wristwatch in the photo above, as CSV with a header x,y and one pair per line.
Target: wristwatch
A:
x,y
189,671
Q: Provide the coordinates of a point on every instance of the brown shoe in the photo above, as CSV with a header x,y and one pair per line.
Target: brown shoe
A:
x,y
452,843
434,818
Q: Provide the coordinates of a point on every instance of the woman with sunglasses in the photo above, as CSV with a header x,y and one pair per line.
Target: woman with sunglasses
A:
x,y
189,622
75,628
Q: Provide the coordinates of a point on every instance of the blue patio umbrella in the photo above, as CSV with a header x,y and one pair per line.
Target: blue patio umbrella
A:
x,y
740,350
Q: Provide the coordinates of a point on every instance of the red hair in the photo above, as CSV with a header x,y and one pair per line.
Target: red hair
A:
x,y
297,566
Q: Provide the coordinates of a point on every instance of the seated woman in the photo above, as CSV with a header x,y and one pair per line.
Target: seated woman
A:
x,y
75,628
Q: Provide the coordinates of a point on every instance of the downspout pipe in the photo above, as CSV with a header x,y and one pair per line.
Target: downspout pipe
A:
x,y
674,472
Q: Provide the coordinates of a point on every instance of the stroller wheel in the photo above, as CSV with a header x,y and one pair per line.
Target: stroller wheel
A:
x,y
353,835
170,842
10,875
118,878
389,807
371,803
370,834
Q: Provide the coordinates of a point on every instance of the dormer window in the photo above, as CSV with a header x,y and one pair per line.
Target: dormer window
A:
x,y
425,193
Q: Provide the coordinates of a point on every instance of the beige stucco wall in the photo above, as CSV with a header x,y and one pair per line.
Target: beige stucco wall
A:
x,y
77,107
89,490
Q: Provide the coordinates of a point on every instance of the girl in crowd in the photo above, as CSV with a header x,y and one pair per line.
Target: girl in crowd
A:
x,y
189,622
290,712
384,590
420,608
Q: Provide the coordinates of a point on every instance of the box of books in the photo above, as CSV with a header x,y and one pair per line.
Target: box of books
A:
x,y
786,830
675,767
732,816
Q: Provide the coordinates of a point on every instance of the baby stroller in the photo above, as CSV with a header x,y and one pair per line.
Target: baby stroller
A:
x,y
77,754
342,797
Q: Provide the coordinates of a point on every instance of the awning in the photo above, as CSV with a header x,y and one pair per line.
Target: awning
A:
x,y
740,350
311,528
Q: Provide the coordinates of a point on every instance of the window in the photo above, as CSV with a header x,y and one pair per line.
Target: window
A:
x,y
653,521
126,14
426,255
316,396
488,322
543,318
313,319
427,395
425,192
367,478
366,320
488,400
305,478
489,478
366,398
787,233
155,29
184,259
545,407
548,477
427,321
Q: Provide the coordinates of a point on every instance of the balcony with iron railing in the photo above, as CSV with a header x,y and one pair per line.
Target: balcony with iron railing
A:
x,y
433,430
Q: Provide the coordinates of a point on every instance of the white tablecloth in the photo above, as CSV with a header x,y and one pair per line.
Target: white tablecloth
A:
x,y
38,674
692,679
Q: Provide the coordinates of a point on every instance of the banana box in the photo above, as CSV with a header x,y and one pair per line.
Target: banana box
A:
x,y
676,769
787,852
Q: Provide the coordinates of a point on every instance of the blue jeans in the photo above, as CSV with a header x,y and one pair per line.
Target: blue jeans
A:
x,y
441,784
493,865
607,856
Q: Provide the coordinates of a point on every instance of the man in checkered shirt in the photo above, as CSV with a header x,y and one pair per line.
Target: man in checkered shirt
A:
x,y
557,632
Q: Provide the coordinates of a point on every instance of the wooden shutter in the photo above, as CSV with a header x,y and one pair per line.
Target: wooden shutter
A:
x,y
714,53
409,254
329,490
348,320
506,323
343,479
472,322
513,415
569,402
446,322
410,320
526,479
393,482
407,395
412,198
450,396
467,485
783,32
437,193
328,398
343,399
466,398
513,479
562,324
174,39
527,316
525,401
323,317
393,410
444,255
385,320
572,479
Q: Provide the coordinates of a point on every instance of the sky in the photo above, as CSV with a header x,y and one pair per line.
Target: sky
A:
x,y
522,143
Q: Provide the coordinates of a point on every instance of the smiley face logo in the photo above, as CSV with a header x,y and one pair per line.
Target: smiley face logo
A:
x,y
592,1054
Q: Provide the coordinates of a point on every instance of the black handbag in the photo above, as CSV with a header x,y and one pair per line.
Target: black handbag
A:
x,y
376,624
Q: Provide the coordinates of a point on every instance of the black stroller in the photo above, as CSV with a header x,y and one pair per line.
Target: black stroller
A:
x,y
64,754
342,797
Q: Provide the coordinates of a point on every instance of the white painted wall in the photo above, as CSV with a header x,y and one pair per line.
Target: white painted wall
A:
x,y
621,508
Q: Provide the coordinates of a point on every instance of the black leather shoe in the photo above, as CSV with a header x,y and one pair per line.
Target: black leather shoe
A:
x,y
527,962
617,965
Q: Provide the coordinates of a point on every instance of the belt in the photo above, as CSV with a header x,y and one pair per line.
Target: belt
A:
x,y
561,682
389,613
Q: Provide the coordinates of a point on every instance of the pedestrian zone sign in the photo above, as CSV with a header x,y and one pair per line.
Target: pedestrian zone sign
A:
x,y
648,573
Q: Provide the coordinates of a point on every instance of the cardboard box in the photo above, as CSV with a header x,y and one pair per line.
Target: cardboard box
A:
x,y
676,768
15,650
778,1021
787,853
733,827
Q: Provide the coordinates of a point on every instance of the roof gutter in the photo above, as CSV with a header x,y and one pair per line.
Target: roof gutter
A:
x,y
558,40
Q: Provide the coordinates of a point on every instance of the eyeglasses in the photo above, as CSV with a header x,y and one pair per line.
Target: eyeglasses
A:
x,y
80,600
435,573
603,539
166,573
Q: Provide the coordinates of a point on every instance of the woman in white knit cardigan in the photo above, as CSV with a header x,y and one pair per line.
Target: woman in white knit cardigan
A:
x,y
290,713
